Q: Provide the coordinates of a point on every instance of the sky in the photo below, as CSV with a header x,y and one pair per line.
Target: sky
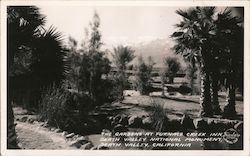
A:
x,y
119,24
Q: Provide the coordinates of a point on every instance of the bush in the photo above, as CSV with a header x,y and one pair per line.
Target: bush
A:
x,y
53,106
143,80
113,89
158,116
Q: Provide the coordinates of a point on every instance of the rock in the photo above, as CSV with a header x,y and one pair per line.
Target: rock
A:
x,y
45,125
64,133
113,123
106,131
35,122
123,120
94,148
117,118
120,128
76,144
239,127
100,147
110,118
58,130
187,122
135,121
200,124
147,122
31,120
69,135
88,145
79,142
24,119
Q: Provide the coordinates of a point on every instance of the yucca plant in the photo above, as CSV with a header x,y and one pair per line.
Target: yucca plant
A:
x,y
158,116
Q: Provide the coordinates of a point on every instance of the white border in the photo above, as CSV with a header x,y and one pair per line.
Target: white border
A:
x,y
180,3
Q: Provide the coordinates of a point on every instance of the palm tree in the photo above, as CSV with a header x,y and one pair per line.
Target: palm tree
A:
x,y
24,23
49,58
230,36
27,37
122,56
193,37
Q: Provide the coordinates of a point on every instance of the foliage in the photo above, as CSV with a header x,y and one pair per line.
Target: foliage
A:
x,y
94,65
74,60
194,39
40,50
49,58
122,56
143,76
24,26
209,39
158,116
172,66
54,107
192,75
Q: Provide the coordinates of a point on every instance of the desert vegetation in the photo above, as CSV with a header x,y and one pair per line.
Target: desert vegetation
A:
x,y
77,88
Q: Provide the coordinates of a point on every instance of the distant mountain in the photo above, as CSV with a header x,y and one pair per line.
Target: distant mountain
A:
x,y
158,49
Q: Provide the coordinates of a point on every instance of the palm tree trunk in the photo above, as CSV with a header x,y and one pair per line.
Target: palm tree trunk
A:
x,y
215,100
229,109
11,134
205,97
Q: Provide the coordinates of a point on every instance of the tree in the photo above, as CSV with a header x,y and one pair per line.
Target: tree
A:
x,y
74,58
193,37
230,50
40,52
21,29
50,58
143,76
216,41
94,64
122,56
172,66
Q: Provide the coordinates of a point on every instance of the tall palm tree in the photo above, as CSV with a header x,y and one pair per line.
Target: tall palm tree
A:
x,y
193,37
230,36
24,23
122,56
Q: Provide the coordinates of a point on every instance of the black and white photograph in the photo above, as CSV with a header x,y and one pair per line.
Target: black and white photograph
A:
x,y
124,77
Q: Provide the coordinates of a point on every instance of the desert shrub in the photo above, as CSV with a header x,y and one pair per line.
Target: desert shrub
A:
x,y
158,116
53,106
143,76
113,89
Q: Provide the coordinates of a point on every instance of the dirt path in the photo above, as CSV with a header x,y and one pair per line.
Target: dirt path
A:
x,y
32,136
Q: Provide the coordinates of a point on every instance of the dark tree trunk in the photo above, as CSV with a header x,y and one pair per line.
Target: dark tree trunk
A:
x,y
11,134
205,97
214,89
229,109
